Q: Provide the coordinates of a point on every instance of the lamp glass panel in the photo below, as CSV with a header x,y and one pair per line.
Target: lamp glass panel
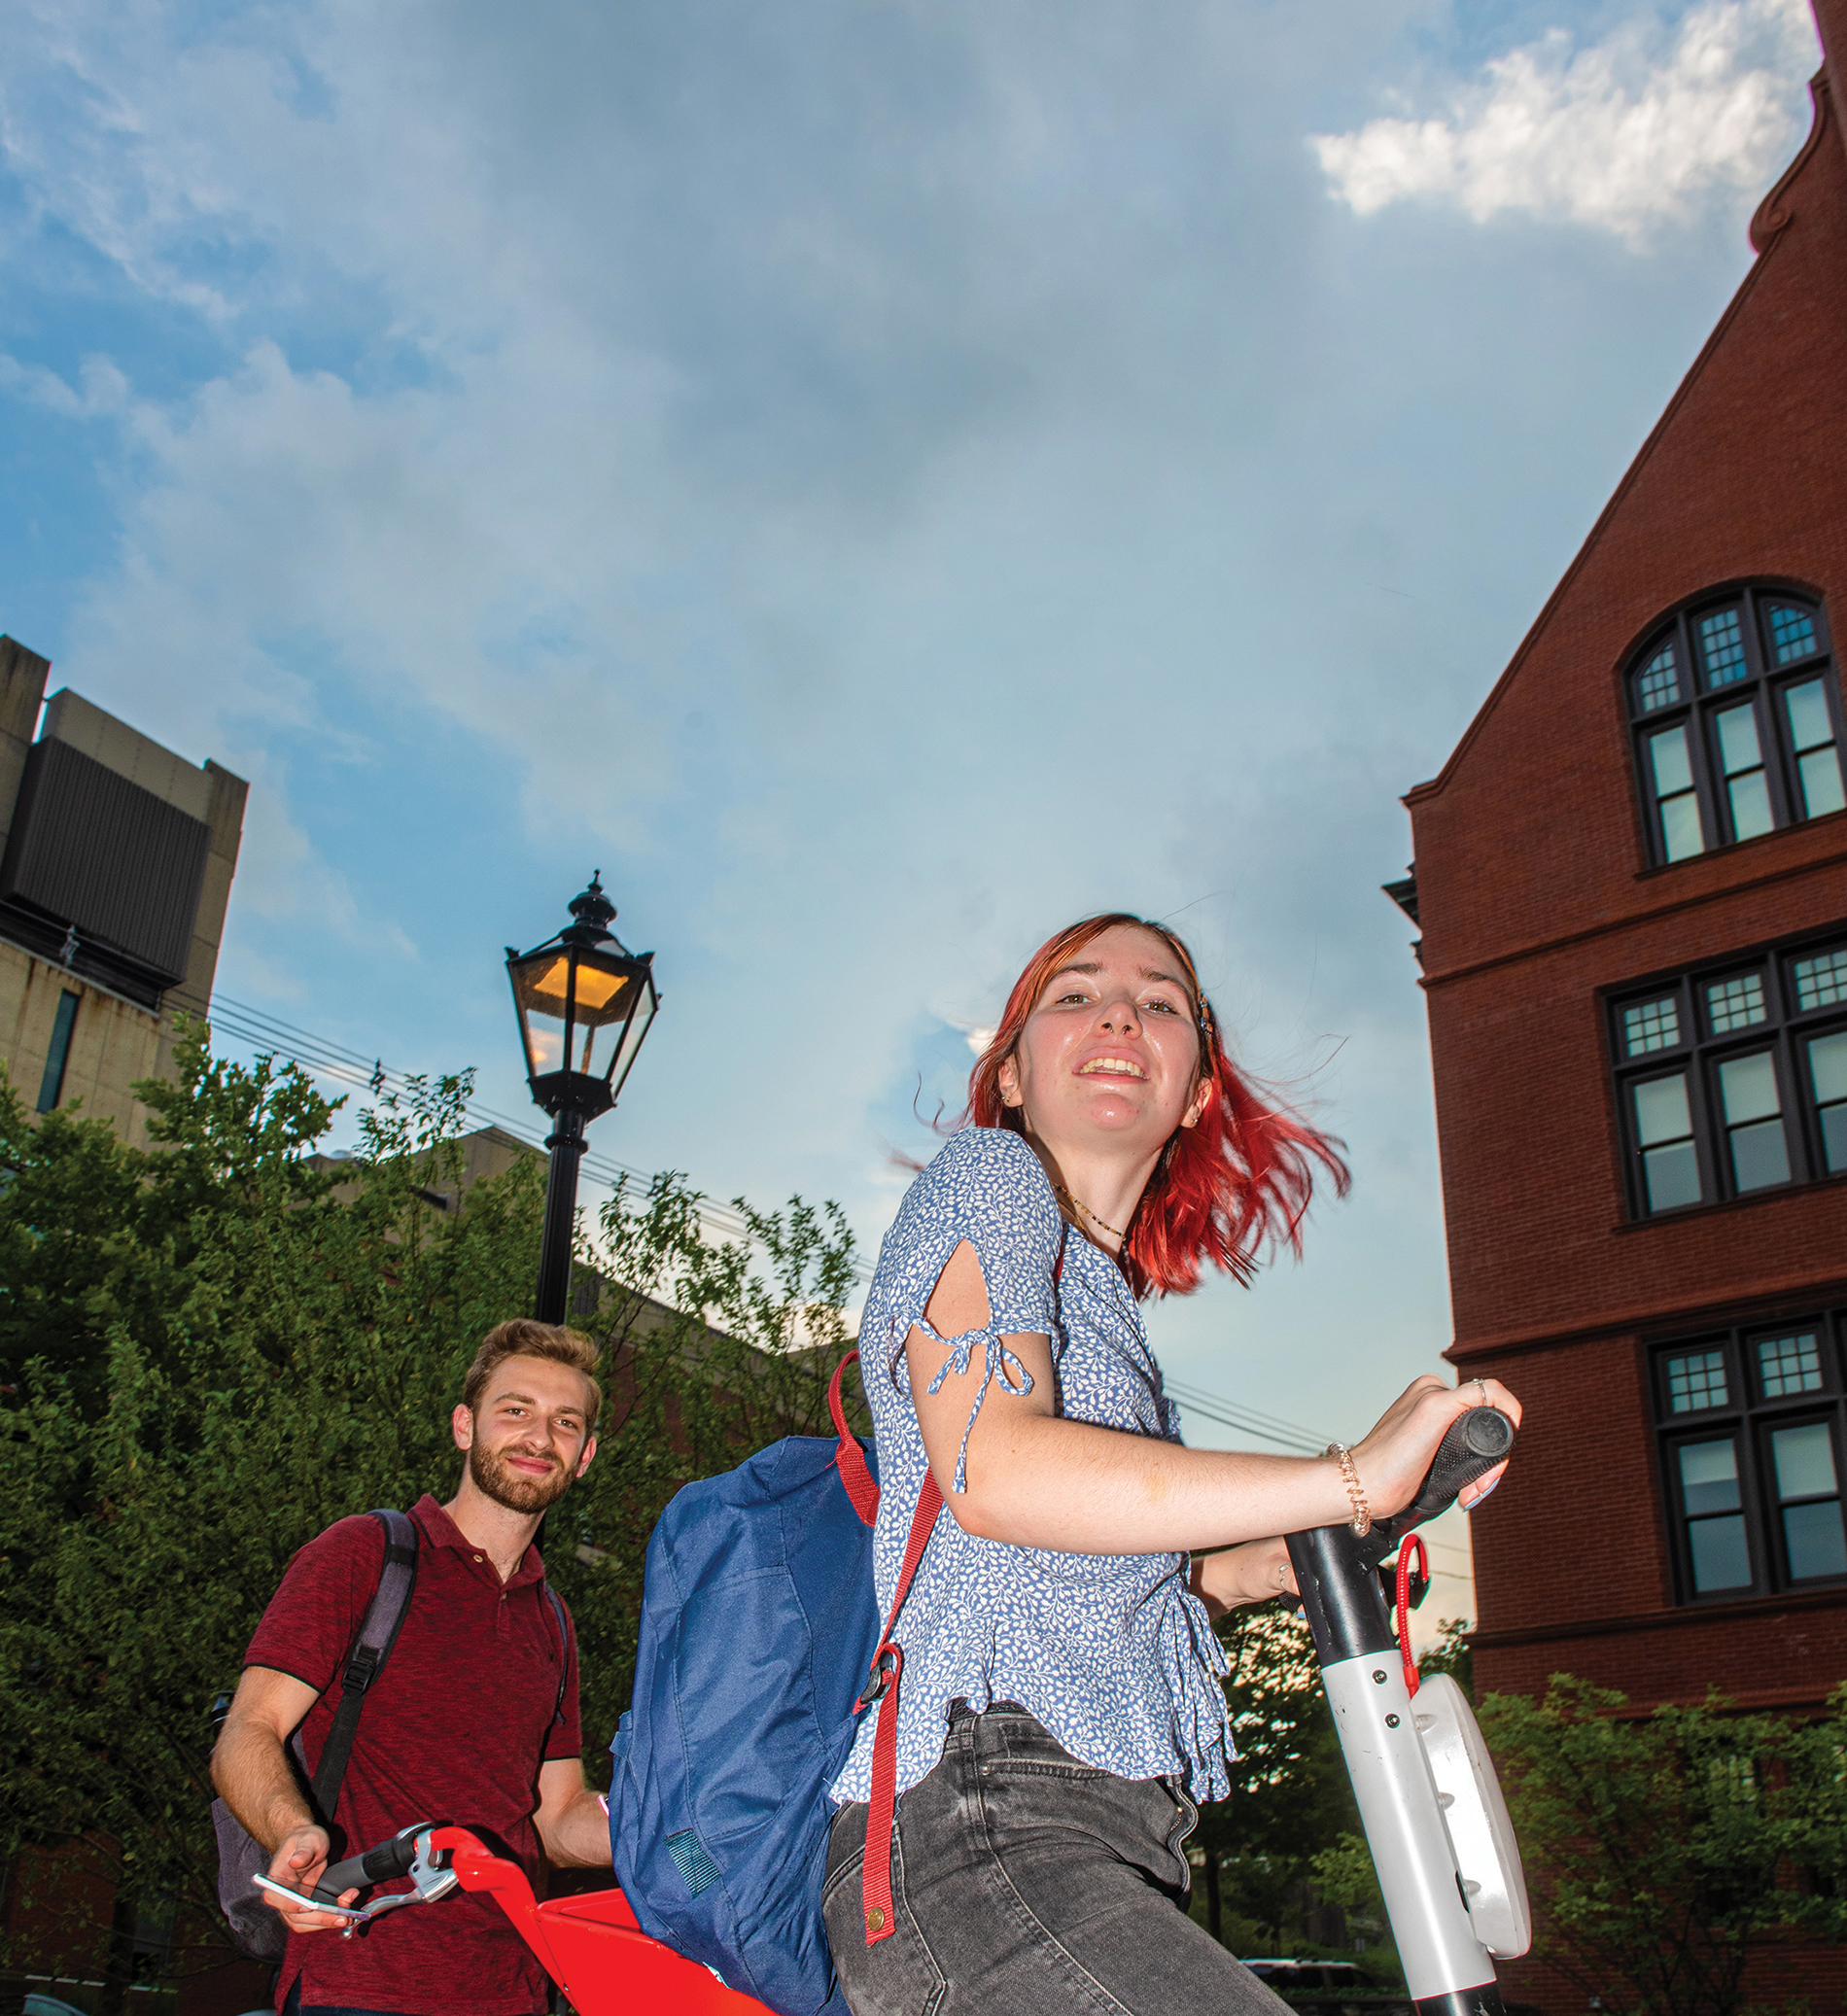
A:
x,y
538,989
605,998
632,1040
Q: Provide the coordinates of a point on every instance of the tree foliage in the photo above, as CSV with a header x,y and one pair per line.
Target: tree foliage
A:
x,y
211,1350
1669,1853
1290,1796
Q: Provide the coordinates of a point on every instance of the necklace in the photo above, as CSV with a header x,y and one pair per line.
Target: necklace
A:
x,y
1083,1209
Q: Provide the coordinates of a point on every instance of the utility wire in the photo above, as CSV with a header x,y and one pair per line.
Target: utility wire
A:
x,y
320,1054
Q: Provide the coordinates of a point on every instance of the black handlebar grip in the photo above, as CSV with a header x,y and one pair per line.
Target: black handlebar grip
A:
x,y
379,1864
1475,1442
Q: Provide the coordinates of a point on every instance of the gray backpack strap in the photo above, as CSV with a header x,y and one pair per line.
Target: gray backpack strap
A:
x,y
564,1655
367,1655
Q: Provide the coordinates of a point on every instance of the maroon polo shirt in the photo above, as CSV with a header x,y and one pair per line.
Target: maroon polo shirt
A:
x,y
454,1729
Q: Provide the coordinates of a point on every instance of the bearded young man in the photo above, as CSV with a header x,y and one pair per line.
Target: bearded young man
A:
x,y
471,1720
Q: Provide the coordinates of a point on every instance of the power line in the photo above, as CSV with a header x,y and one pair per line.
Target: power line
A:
x,y
330,1059
1246,1420
319,1054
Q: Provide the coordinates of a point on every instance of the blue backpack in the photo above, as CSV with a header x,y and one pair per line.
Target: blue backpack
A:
x,y
758,1633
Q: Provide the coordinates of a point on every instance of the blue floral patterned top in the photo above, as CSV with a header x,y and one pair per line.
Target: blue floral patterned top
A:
x,y
1110,1652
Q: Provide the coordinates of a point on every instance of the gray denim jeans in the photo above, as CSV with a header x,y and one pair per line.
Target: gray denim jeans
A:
x,y
1025,1883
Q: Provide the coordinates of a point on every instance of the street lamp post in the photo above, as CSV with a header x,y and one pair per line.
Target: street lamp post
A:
x,y
584,1004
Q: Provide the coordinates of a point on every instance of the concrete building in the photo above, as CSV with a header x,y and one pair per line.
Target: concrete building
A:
x,y
115,866
1631,881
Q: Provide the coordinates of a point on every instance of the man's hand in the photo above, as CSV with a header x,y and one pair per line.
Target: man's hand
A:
x,y
572,1827
299,1863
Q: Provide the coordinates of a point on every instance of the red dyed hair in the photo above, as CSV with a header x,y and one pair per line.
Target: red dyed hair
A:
x,y
1238,1180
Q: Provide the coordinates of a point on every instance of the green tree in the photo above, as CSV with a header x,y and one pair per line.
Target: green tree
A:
x,y
214,1350
1290,1798
1668,1853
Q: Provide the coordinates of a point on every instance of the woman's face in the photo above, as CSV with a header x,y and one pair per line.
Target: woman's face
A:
x,y
1110,1052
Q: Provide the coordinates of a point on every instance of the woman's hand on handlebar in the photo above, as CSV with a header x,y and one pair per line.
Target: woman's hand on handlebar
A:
x,y
299,1862
1397,1451
1253,1573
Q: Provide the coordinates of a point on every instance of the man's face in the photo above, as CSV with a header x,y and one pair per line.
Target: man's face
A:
x,y
528,1438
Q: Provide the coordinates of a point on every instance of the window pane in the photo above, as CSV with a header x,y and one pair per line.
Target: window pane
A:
x,y
1820,772
1660,1110
1651,1026
1709,1476
1721,644
1748,1087
1792,633
1658,684
1812,1533
1820,981
1760,1155
1735,1004
1673,767
1834,1138
1722,1557
1696,1380
1789,1365
1738,739
1827,1066
1804,1459
1672,1176
1682,836
1749,798
1809,725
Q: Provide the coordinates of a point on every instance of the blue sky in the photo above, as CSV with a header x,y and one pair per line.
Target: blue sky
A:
x,y
875,480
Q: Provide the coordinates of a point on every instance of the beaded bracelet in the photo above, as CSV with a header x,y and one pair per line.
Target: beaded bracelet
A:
x,y
1362,1520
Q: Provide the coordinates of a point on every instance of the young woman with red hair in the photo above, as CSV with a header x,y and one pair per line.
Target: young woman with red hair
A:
x,y
1061,1710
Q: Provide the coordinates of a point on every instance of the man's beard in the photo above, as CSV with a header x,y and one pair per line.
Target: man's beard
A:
x,y
494,1476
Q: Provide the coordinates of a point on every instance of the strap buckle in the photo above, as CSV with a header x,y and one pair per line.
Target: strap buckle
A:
x,y
885,1670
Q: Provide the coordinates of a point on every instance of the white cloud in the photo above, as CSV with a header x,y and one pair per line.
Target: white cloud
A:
x,y
1619,135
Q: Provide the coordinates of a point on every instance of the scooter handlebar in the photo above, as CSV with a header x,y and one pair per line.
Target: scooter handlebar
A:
x,y
1474,1443
375,1865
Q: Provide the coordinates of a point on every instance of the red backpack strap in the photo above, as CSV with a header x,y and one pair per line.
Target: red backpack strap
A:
x,y
888,1669
850,1459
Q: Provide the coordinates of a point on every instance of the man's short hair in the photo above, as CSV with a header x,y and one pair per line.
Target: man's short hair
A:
x,y
523,1338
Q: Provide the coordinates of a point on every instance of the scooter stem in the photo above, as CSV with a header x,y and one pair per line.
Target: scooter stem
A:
x,y
1447,1970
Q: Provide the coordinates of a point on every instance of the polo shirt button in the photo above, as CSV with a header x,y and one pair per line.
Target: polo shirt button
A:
x,y
477,1557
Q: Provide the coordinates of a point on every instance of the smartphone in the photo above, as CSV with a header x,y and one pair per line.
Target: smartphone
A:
x,y
282,1890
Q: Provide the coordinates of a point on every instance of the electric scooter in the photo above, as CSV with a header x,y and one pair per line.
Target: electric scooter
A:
x,y
1431,1809
1448,1866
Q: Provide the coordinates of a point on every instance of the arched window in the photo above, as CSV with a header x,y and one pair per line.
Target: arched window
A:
x,y
1736,715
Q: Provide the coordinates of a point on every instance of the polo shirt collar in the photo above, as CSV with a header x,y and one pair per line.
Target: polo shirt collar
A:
x,y
441,1531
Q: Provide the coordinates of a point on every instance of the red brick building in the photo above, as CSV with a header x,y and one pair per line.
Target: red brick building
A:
x,y
1631,880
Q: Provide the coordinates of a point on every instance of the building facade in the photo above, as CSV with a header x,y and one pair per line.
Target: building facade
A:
x,y
115,866
1632,882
